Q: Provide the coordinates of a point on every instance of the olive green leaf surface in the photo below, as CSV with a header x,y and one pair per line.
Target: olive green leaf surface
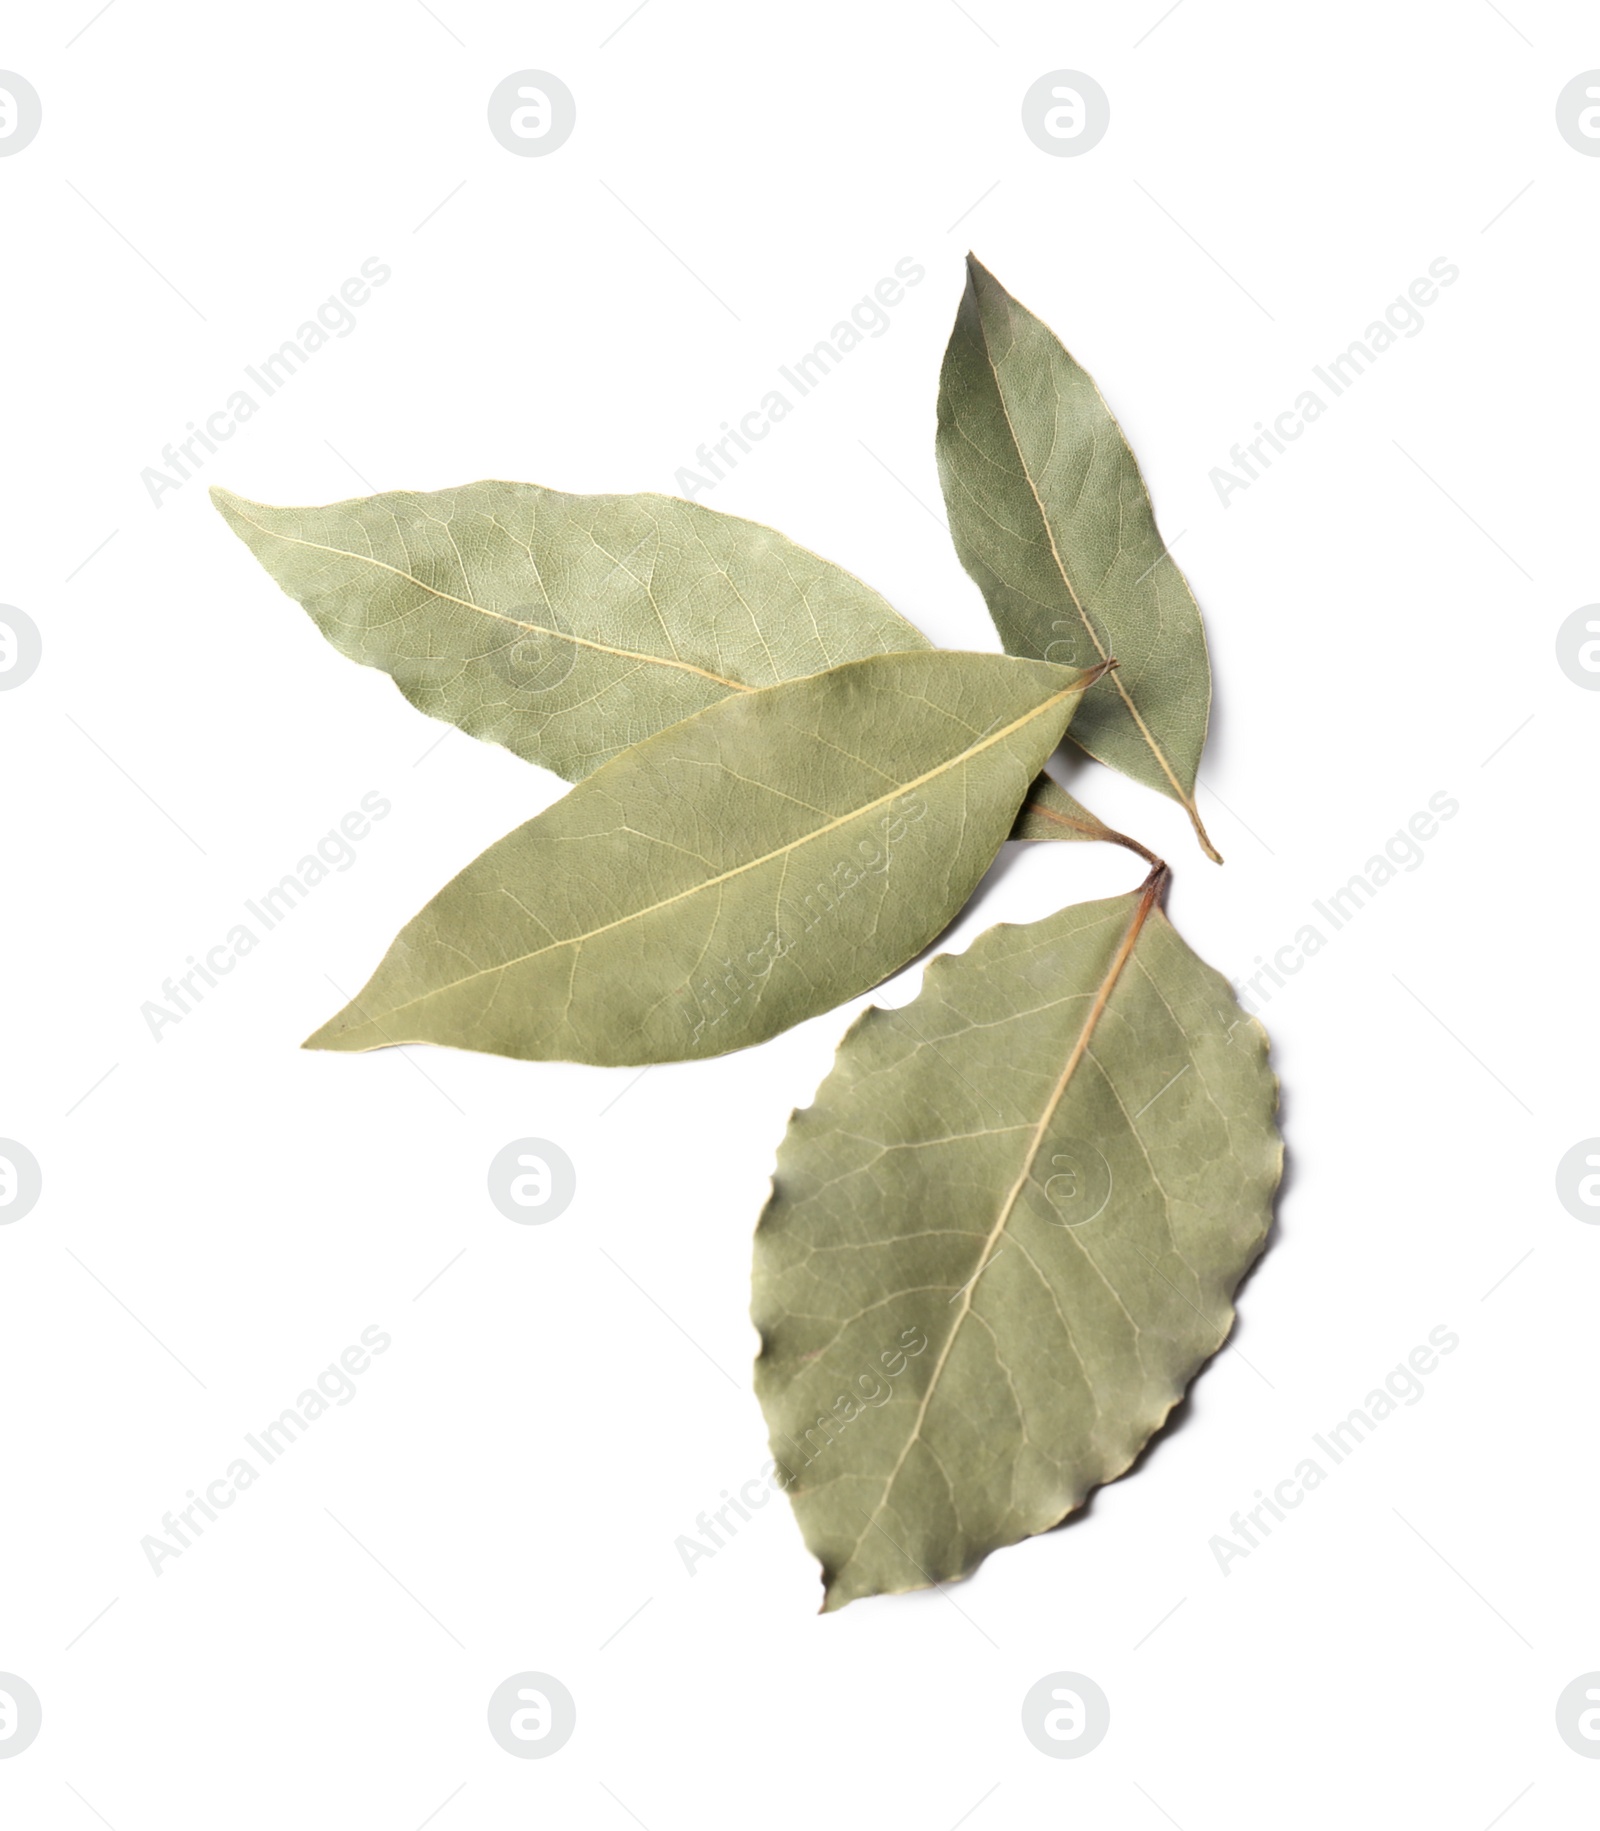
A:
x,y
750,866
567,627
1005,1238
1051,517
564,627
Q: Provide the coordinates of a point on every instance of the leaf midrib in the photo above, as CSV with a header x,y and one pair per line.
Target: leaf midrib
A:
x,y
1147,901
1060,564
623,654
710,883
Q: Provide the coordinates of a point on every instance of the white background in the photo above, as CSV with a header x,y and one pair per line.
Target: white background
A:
x,y
223,1214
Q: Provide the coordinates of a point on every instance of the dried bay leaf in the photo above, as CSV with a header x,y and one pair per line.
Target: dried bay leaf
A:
x,y
1051,517
1005,1238
750,866
566,627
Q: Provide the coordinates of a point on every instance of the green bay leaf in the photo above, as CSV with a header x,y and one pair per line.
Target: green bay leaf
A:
x,y
566,627
750,866
1051,517
1005,1238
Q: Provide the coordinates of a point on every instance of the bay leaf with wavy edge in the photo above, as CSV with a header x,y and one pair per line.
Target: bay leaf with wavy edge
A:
x,y
567,627
748,867
1052,519
1005,1238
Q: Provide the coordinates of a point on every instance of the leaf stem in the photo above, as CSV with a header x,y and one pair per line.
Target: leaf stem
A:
x,y
1095,830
